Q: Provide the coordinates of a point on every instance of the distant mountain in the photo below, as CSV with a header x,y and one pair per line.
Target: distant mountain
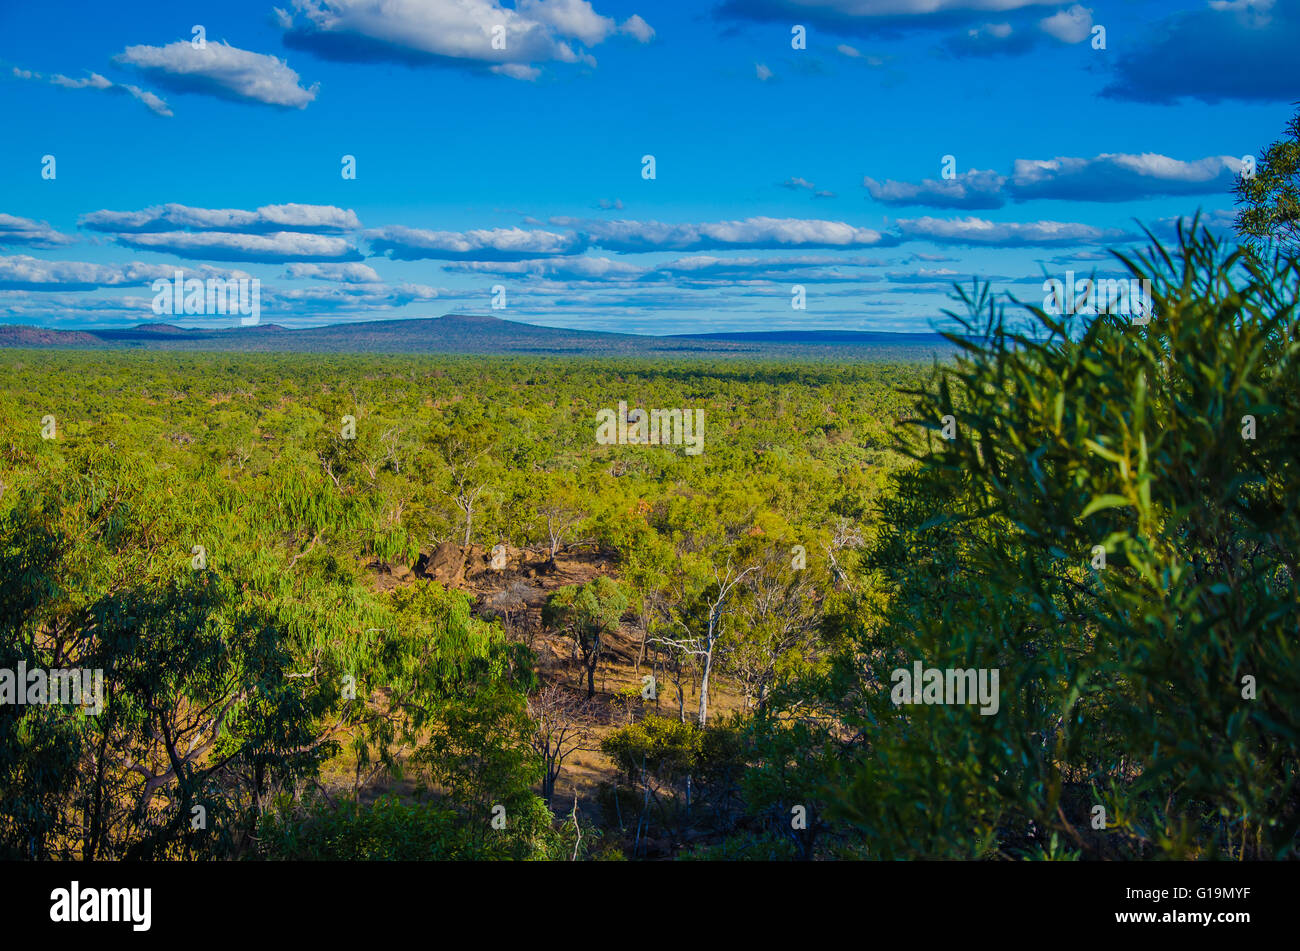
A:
x,y
474,334
858,337
16,336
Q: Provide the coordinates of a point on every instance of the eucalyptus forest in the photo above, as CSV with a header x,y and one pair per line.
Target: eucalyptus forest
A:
x,y
369,606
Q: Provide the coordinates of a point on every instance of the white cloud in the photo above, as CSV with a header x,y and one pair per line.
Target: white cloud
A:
x,y
280,246
152,102
351,273
1118,176
172,217
95,81
411,31
34,234
637,28
517,71
750,233
221,70
707,270
926,275
496,244
699,270
348,296
972,190
1109,177
978,231
582,268
1069,26
864,9
763,73
575,18
28,273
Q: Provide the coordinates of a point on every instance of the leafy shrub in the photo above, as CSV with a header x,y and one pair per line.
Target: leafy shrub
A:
x,y
657,745
1161,684
392,830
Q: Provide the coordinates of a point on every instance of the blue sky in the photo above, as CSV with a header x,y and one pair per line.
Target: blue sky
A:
x,y
220,152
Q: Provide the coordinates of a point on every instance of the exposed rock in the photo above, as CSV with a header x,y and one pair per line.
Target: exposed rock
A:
x,y
479,569
446,565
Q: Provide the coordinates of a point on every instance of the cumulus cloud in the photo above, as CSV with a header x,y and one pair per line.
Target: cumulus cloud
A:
x,y
873,16
1070,26
750,233
517,71
456,34
1073,25
95,81
347,297
220,70
978,231
1121,177
575,18
32,234
638,29
970,190
582,268
1250,44
322,219
21,272
274,248
351,273
692,271
497,244
272,234
53,307
1109,177
941,276
703,270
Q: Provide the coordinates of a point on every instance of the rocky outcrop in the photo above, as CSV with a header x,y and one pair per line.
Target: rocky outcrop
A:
x,y
445,565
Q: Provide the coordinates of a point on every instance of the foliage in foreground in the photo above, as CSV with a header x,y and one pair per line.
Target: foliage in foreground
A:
x,y
1115,529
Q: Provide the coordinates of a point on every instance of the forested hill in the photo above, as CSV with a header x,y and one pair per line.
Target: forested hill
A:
x,y
471,334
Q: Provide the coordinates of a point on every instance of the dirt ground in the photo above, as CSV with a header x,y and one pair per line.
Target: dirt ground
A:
x,y
514,592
